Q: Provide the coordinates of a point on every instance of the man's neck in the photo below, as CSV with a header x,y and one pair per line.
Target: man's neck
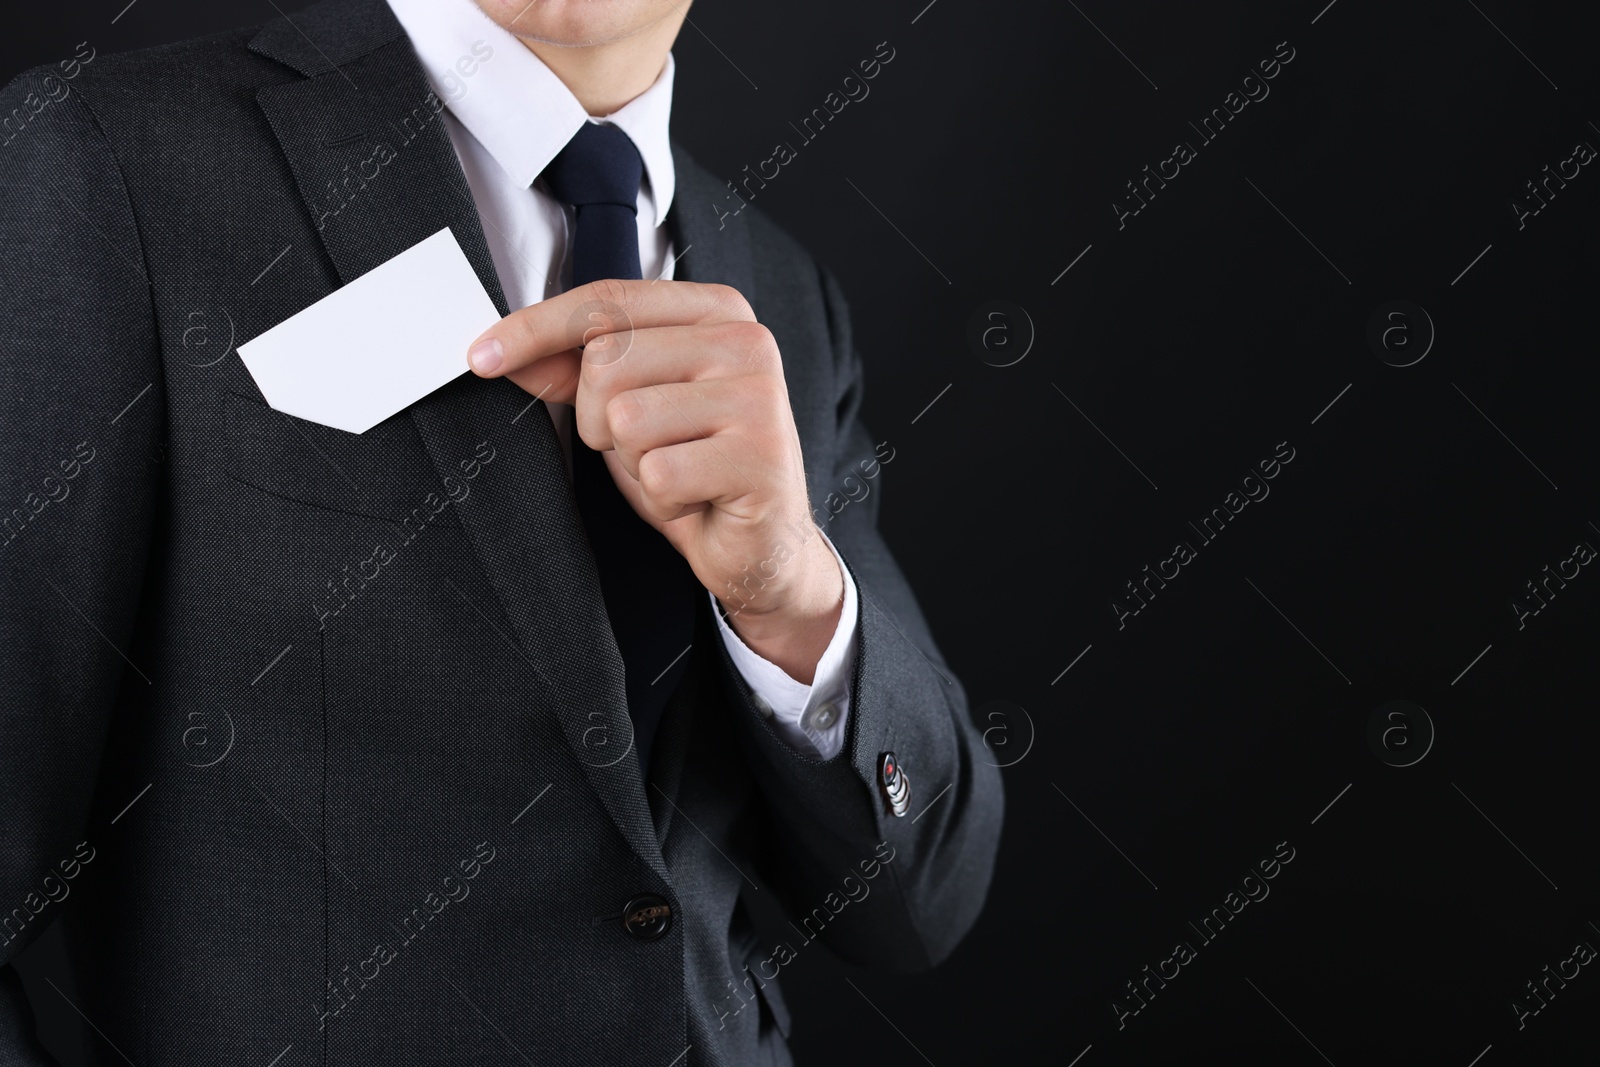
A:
x,y
605,76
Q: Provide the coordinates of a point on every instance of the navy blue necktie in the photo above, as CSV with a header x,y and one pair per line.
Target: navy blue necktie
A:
x,y
648,587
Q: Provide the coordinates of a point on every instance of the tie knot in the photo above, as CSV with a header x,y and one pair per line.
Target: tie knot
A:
x,y
600,165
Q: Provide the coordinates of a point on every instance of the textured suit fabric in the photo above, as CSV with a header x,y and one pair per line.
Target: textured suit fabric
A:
x,y
339,716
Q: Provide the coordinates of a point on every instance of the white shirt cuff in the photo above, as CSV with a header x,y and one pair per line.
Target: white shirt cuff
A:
x,y
810,718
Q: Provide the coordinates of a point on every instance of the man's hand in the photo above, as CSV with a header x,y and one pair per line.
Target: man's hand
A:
x,y
683,391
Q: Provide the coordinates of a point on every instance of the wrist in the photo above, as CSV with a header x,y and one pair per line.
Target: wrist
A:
x,y
792,625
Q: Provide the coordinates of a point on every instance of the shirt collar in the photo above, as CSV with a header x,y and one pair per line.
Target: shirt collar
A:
x,y
515,106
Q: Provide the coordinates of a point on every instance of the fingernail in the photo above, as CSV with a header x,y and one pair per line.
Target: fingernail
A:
x,y
486,356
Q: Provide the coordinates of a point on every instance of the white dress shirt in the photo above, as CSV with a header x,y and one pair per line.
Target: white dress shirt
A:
x,y
508,115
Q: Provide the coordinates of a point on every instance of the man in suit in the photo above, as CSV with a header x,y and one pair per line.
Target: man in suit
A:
x,y
461,739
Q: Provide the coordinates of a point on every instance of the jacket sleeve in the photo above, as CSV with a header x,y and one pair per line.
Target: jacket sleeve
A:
x,y
81,402
882,890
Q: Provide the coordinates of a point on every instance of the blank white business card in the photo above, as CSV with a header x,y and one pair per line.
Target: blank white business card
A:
x,y
378,344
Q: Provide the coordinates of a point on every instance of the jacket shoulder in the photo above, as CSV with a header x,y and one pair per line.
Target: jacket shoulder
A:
x,y
161,80
195,56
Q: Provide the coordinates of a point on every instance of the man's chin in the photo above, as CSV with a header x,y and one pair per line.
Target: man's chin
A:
x,y
575,23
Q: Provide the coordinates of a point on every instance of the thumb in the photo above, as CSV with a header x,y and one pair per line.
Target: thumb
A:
x,y
553,379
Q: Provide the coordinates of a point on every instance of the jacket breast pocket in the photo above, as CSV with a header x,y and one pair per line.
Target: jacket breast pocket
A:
x,y
384,473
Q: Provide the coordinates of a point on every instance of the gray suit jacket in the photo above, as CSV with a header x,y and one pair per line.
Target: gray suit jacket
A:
x,y
313,738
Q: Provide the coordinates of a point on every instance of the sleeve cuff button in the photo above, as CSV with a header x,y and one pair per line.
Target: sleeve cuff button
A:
x,y
821,717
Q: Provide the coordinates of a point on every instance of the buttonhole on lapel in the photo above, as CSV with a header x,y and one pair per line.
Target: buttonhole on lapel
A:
x,y
335,142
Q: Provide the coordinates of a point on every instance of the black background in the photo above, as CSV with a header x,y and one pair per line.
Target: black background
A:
x,y
1223,718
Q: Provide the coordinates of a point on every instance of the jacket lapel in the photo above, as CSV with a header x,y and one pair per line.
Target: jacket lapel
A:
x,y
363,92
713,242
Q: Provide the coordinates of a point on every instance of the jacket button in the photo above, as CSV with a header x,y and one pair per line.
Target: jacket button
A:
x,y
646,917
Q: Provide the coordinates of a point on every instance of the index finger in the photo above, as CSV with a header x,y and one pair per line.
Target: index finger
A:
x,y
581,316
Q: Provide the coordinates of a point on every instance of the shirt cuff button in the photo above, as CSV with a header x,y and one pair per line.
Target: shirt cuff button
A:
x,y
821,717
